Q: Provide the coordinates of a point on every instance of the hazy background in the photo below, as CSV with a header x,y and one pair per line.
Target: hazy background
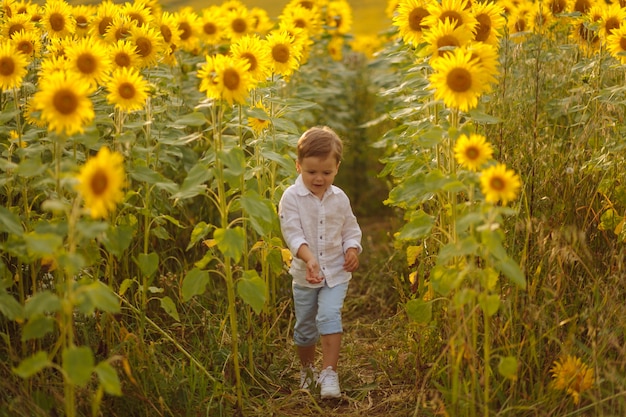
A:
x,y
369,15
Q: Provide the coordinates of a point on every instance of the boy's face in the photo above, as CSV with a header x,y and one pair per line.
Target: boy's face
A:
x,y
318,173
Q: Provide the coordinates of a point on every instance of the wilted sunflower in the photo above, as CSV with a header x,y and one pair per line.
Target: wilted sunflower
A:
x,y
490,18
226,78
410,20
88,60
256,52
57,19
473,151
458,79
64,103
101,181
572,375
128,90
284,54
499,184
12,66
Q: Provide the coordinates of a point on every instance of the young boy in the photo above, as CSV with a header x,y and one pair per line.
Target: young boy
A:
x,y
322,233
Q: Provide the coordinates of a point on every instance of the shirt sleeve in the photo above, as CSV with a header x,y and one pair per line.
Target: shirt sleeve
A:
x,y
351,234
290,224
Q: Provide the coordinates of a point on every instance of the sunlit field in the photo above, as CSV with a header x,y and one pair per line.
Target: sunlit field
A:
x,y
145,148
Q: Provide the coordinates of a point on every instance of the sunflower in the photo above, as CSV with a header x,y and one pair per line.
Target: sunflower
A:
x,y
237,23
103,18
410,20
456,11
302,41
123,55
391,8
612,17
148,44
28,43
458,79
88,60
12,66
335,47
57,19
227,78
585,33
447,35
368,45
616,43
490,18
581,6
519,23
101,181
128,90
302,18
473,151
339,17
169,28
488,59
572,375
256,52
212,24
119,28
260,120
14,24
82,15
499,184
284,54
64,103
53,63
540,19
261,22
190,28
138,12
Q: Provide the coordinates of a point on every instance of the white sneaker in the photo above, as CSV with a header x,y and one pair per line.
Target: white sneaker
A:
x,y
308,377
329,382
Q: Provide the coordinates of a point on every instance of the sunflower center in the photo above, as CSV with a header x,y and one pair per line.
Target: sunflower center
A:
x,y
472,153
99,182
87,63
7,66
166,33
415,19
611,23
251,59
459,80
582,6
239,25
483,30
622,43
122,60
558,6
57,22
300,23
520,25
280,53
144,46
104,24
209,28
15,28
25,47
453,16
307,4
81,22
137,18
185,30
231,79
121,33
126,90
447,40
497,183
65,101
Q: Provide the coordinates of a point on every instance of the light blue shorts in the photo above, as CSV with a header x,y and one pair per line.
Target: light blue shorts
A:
x,y
318,312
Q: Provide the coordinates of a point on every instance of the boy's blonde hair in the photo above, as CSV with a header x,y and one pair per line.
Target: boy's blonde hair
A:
x,y
321,142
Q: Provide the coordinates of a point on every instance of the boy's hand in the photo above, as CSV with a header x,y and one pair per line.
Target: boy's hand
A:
x,y
352,260
313,272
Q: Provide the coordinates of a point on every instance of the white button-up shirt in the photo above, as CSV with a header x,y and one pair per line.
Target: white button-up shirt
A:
x,y
328,226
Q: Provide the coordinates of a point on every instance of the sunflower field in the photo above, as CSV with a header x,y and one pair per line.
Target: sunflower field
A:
x,y
145,149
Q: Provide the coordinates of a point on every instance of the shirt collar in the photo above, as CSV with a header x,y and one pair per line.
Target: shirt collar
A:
x,y
302,190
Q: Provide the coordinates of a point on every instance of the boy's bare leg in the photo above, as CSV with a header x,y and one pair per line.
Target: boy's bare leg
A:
x,y
331,343
306,355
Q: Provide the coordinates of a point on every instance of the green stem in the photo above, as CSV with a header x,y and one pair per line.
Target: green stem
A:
x,y
486,359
